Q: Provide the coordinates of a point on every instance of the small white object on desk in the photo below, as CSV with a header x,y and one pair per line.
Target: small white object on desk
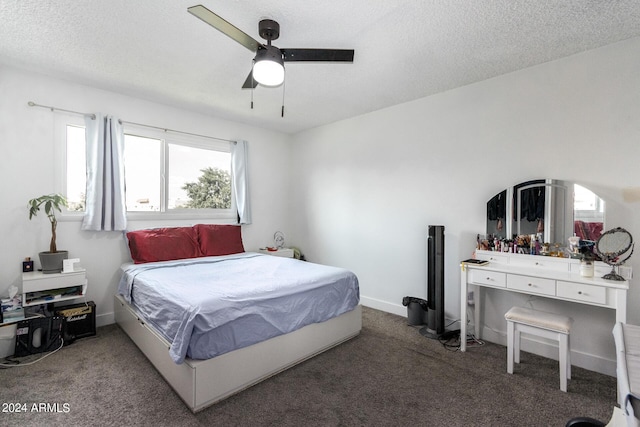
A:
x,y
282,252
68,265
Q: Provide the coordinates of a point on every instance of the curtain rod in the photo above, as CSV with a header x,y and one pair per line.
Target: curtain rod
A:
x,y
93,117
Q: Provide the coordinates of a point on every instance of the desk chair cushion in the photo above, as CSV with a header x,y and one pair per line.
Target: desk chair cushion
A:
x,y
540,319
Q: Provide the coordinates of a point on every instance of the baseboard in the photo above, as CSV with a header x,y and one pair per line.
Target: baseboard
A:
x,y
398,309
401,310
105,319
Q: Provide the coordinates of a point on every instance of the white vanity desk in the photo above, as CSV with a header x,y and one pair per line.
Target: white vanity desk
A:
x,y
549,277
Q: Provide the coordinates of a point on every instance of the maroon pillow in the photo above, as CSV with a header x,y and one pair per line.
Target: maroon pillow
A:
x,y
219,239
163,244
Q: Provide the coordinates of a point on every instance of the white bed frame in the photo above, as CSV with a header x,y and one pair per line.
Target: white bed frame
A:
x,y
201,383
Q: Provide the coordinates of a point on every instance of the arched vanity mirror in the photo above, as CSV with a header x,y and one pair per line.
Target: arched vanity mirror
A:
x,y
552,209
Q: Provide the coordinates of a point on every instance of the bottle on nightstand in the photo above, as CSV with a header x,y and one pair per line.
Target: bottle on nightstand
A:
x,y
27,265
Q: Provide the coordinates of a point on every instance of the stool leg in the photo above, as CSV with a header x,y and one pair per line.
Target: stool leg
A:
x,y
568,356
516,346
564,343
510,348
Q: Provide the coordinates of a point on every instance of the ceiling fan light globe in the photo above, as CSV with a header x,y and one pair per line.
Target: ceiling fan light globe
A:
x,y
268,73
268,66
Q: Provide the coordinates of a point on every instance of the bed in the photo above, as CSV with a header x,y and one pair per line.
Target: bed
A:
x,y
215,322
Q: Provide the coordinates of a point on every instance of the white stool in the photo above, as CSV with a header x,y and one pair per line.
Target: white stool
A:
x,y
543,324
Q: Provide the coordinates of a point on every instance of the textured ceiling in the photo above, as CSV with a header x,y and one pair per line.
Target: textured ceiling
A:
x,y
404,50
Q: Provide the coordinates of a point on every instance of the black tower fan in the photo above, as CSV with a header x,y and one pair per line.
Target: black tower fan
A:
x,y
435,282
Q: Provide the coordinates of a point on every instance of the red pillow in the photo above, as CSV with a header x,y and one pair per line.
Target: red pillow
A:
x,y
219,239
163,244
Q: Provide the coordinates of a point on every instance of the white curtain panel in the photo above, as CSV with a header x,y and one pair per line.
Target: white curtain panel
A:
x,y
240,171
105,206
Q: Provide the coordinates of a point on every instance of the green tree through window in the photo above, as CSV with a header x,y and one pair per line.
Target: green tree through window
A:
x,y
213,190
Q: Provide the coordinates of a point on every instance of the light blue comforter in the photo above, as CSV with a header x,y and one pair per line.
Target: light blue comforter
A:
x,y
212,305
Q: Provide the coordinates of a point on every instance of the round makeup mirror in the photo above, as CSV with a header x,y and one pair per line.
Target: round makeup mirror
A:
x,y
615,248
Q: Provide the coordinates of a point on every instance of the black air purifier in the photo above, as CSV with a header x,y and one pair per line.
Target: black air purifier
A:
x,y
435,282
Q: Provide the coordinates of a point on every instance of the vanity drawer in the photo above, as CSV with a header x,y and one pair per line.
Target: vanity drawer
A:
x,y
534,285
542,262
490,278
582,292
497,257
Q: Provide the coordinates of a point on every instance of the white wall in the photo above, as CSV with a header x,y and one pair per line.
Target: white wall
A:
x,y
368,187
27,170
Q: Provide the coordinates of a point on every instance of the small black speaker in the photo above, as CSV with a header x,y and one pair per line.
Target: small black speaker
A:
x,y
79,320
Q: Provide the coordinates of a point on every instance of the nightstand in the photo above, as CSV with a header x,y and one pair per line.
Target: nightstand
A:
x,y
282,252
40,288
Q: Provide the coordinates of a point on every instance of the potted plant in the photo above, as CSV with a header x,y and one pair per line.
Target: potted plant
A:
x,y
50,260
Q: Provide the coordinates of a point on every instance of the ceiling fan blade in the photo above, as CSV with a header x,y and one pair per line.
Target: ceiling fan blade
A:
x,y
250,83
329,55
225,27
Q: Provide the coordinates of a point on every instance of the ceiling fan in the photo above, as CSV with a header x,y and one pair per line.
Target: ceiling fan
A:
x,y
268,64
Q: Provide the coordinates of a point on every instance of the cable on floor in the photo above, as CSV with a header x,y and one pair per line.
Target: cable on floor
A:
x,y
13,363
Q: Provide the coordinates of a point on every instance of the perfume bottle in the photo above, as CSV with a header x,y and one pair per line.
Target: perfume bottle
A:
x,y
27,265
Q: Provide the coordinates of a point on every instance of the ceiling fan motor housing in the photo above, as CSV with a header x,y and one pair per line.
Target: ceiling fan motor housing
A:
x,y
269,29
269,53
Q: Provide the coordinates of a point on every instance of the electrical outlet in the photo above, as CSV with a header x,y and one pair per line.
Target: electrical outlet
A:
x,y
470,300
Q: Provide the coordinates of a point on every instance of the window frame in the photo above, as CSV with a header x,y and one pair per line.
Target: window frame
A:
x,y
60,156
166,138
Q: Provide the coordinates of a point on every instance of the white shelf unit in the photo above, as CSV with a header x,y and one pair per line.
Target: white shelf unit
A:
x,y
281,252
39,288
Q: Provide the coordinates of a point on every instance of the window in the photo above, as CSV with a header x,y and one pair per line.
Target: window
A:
x,y
198,178
587,206
587,200
164,174
76,177
143,172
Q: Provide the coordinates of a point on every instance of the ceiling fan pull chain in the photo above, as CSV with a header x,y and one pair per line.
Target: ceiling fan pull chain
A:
x,y
283,86
253,85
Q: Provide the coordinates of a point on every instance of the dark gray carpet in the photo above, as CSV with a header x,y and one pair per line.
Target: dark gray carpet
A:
x,y
389,375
